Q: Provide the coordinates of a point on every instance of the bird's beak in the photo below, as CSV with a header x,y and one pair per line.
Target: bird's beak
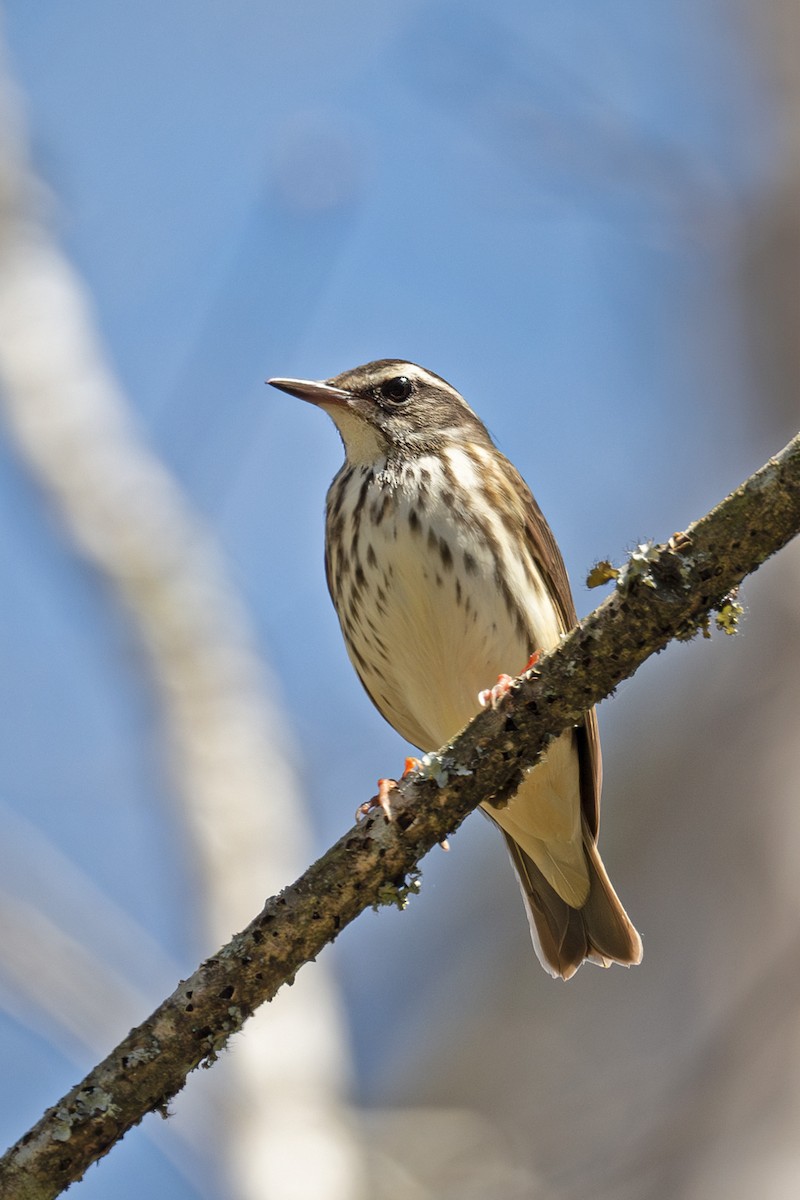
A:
x,y
313,391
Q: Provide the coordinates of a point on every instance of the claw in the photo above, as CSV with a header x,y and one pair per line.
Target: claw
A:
x,y
491,697
385,787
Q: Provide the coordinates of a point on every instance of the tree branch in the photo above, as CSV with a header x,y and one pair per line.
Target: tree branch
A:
x,y
663,592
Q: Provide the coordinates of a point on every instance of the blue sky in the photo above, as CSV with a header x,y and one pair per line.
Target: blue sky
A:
x,y
541,202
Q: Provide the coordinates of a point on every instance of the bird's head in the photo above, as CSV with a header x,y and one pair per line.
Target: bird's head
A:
x,y
391,409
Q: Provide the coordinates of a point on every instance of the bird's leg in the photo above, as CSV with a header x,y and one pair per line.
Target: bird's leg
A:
x,y
385,788
381,800
491,697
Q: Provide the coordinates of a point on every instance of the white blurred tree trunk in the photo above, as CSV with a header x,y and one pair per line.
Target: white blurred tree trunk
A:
x,y
72,426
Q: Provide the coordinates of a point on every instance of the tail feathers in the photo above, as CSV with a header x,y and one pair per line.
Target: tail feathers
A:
x,y
564,937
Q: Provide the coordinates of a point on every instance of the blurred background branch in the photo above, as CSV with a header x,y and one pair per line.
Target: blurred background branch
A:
x,y
240,799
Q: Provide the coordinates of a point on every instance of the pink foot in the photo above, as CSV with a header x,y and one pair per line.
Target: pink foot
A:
x,y
385,788
382,801
491,697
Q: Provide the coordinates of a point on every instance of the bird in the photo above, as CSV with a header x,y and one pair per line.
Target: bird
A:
x,y
444,573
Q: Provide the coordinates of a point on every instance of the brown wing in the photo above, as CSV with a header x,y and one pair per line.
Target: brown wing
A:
x,y
546,554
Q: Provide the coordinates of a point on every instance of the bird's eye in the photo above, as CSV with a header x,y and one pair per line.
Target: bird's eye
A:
x,y
396,390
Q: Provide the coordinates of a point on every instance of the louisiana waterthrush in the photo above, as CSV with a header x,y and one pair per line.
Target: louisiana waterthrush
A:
x,y
443,573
